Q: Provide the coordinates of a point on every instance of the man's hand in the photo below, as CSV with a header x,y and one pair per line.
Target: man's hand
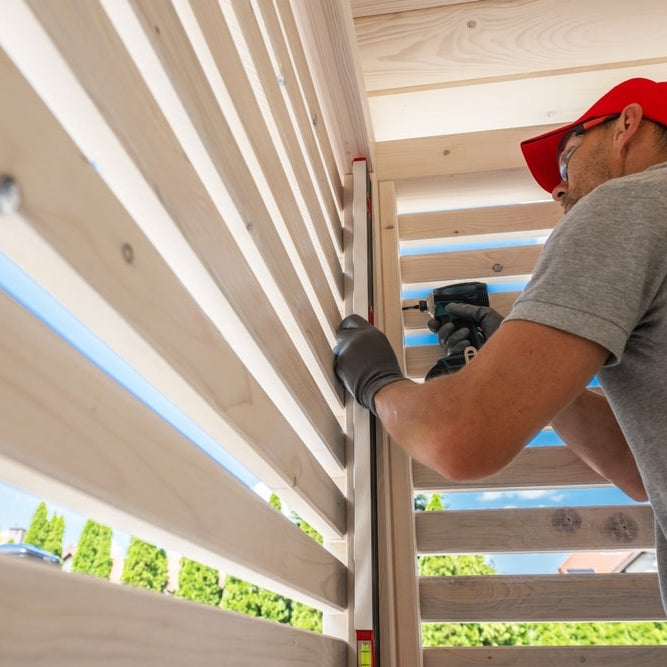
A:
x,y
453,340
365,361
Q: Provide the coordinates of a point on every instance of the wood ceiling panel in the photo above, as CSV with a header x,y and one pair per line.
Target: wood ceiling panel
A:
x,y
371,7
480,106
453,154
506,38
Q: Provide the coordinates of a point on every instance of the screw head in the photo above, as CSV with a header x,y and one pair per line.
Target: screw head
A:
x,y
10,195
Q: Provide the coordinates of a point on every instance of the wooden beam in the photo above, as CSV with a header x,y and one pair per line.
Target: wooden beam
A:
x,y
458,43
538,598
495,104
533,468
371,7
469,264
478,222
399,603
536,529
453,154
81,621
546,656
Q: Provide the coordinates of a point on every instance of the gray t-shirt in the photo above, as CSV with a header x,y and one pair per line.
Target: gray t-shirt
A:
x,y
603,276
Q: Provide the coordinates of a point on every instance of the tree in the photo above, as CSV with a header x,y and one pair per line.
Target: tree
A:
x,y
145,566
198,582
54,541
93,553
38,532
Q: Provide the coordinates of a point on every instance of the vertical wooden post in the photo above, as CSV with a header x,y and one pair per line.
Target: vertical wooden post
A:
x,y
400,637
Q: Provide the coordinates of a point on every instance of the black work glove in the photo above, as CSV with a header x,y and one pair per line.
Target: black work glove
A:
x,y
452,338
365,361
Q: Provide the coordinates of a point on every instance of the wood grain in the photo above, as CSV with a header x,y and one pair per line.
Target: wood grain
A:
x,y
538,598
81,621
535,529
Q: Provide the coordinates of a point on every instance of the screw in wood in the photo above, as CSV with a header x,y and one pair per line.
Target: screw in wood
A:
x,y
10,195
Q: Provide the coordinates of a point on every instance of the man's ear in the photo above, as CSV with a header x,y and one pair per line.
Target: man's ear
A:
x,y
627,124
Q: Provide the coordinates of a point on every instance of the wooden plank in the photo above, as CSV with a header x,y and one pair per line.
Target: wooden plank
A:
x,y
452,154
533,468
399,603
536,529
469,264
482,105
139,307
492,220
433,46
547,656
472,190
415,319
372,7
311,100
119,461
319,155
89,41
537,598
327,31
81,621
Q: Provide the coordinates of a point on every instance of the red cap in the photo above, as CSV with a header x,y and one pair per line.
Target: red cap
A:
x,y
541,152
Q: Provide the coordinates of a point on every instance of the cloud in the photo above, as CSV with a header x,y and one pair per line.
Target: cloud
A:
x,y
529,494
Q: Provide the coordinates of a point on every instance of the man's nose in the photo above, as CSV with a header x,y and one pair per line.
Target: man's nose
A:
x,y
559,191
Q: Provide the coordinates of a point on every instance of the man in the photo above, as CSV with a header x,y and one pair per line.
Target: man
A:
x,y
596,304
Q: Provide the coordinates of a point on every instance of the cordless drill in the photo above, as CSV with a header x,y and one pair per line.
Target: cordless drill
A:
x,y
474,293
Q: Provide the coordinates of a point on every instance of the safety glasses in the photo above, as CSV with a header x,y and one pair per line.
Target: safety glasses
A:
x,y
578,131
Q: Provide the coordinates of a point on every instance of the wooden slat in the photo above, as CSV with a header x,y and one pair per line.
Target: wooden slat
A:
x,y
497,104
459,43
147,307
536,598
117,460
88,40
533,468
435,225
469,264
311,100
547,656
372,7
327,29
476,190
319,155
453,154
535,529
81,621
309,220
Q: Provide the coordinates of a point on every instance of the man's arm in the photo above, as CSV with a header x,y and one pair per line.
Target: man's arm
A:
x,y
473,423
589,428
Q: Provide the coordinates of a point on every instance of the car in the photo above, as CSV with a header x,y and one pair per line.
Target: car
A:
x,y
30,551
